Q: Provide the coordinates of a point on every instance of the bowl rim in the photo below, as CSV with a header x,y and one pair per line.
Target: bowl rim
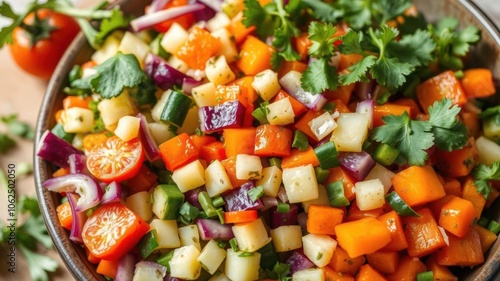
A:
x,y
80,269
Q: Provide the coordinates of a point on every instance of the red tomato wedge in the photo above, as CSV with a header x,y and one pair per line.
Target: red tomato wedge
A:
x,y
112,231
115,160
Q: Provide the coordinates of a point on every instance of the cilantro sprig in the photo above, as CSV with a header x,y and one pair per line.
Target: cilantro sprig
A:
x,y
483,174
413,137
15,128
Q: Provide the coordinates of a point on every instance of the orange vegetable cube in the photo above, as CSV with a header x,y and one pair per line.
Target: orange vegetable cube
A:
x,y
408,269
238,29
178,151
273,140
398,239
303,123
198,48
342,262
368,273
487,237
108,268
384,262
230,167
239,141
332,275
478,83
386,109
255,56
323,219
422,234
444,85
339,174
464,251
64,215
213,151
288,66
469,192
299,158
460,162
457,216
440,272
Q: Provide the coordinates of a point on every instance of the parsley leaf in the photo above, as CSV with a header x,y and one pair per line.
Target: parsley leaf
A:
x,y
319,76
116,73
483,175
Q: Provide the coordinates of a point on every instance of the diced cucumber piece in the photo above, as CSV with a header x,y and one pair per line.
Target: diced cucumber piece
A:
x,y
148,244
167,199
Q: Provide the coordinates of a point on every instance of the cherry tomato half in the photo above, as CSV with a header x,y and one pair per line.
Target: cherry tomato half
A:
x,y
41,59
115,160
112,231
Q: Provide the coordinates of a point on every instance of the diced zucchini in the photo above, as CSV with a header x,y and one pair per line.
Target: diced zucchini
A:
x,y
218,71
167,199
167,233
383,174
212,256
113,109
189,176
204,95
266,84
271,180
300,183
77,120
280,112
319,248
351,132
184,263
287,237
127,128
369,194
216,179
241,266
132,44
140,203
176,108
189,235
248,167
251,236
173,39
309,274
228,48
321,200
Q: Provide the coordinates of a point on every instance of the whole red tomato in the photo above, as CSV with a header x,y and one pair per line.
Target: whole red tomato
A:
x,y
41,58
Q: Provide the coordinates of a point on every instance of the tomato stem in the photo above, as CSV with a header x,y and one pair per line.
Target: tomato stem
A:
x,y
40,29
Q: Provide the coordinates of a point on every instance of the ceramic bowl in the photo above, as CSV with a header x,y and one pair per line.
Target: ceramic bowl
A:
x,y
485,54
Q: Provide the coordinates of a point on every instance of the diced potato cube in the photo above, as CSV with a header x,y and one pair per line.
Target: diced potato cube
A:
x,y
140,203
251,236
173,39
77,120
488,150
287,237
127,128
241,266
219,277
184,263
322,199
157,109
132,44
178,64
300,183
189,235
115,108
191,123
369,194
248,167
309,274
218,71
271,180
189,176
266,84
212,256
168,233
219,21
204,95
216,179
228,48
322,125
383,174
109,48
351,132
319,248
161,132
280,112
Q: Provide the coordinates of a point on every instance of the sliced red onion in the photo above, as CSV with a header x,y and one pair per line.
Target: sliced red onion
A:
x,y
149,270
269,202
78,164
366,107
148,142
157,5
192,197
125,271
239,200
188,83
292,85
79,219
215,5
302,220
365,90
282,194
357,164
298,261
164,75
113,192
55,150
148,20
279,219
226,115
213,229
89,190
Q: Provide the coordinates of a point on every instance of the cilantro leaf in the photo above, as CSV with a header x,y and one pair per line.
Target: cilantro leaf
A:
x,y
366,13
443,114
280,272
38,265
319,76
324,11
116,21
450,139
483,175
321,36
449,133
17,127
255,15
410,137
358,71
467,36
390,9
116,73
391,72
6,143
351,43
415,49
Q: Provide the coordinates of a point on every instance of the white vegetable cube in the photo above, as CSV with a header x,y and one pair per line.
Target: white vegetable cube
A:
x,y
160,132
204,95
178,64
219,277
241,266
144,272
109,48
251,236
212,256
115,108
132,44
300,183
322,199
216,179
319,248
189,235
173,39
270,180
157,109
219,21
488,150
191,123
287,237
140,203
189,176
168,233
309,274
280,112
322,125
218,71
383,174
266,84
127,128
228,47
369,194
184,263
248,167
77,120
351,132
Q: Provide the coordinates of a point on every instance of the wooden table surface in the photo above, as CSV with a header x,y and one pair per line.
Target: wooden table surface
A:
x,y
22,94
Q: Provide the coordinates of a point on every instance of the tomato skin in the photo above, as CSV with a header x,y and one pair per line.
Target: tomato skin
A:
x,y
115,160
112,231
185,20
42,59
